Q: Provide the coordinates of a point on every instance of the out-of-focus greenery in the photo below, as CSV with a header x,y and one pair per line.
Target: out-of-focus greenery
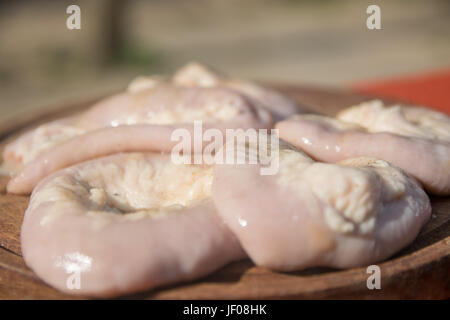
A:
x,y
133,56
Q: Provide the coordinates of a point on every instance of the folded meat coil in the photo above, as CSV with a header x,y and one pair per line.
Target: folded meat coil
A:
x,y
140,119
123,224
415,139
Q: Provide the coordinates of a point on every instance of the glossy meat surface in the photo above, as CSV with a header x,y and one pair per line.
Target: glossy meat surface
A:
x,y
280,106
125,223
414,139
354,213
141,119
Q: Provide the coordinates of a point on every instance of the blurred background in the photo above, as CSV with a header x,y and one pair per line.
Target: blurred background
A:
x,y
314,42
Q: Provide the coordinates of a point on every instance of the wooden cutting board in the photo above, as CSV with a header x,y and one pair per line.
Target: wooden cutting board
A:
x,y
422,270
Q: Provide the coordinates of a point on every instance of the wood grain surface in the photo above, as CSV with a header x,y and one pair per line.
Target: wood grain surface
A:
x,y
422,270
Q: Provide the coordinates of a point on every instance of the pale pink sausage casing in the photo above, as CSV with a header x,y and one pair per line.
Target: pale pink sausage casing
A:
x,y
168,108
315,214
68,228
331,140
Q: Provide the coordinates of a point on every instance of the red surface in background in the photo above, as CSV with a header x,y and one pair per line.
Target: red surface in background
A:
x,y
431,89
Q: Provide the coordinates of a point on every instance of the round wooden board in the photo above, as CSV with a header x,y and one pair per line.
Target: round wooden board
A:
x,y
422,270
